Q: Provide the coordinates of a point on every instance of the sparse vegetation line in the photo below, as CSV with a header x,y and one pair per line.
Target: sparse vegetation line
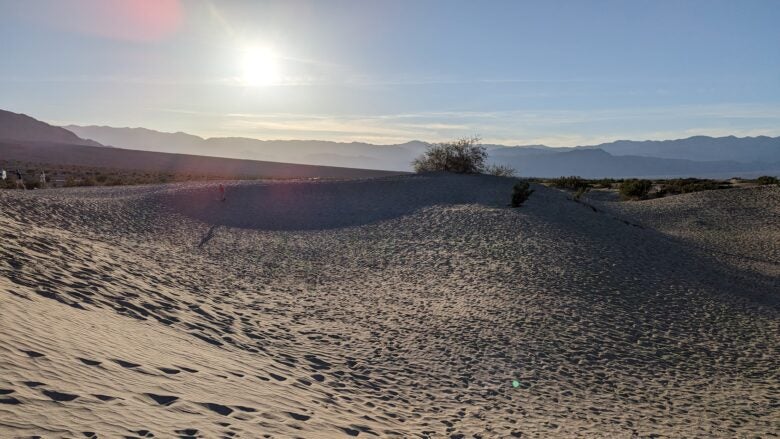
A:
x,y
642,189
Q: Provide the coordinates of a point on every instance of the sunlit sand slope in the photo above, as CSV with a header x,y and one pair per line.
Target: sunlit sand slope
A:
x,y
398,307
740,226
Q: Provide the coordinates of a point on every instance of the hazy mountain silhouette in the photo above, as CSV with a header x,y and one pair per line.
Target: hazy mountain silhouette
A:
x,y
695,156
597,163
30,141
701,148
60,154
314,152
20,127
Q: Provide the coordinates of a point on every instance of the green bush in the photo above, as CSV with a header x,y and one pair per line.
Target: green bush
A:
x,y
635,189
688,185
573,183
580,192
604,183
766,180
520,192
463,156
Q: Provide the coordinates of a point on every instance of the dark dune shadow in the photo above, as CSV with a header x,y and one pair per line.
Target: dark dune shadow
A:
x,y
317,205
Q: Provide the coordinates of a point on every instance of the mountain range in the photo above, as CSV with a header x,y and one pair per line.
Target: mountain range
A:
x,y
26,143
20,127
698,156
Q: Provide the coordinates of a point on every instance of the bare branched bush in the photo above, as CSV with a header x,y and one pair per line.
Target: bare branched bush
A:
x,y
462,156
499,170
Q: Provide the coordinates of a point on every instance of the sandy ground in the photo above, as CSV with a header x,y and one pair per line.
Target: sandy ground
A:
x,y
739,226
396,307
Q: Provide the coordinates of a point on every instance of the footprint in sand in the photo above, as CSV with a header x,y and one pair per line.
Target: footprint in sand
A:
x,y
33,354
162,399
277,377
298,416
126,364
188,433
317,363
219,408
350,431
59,396
89,362
8,399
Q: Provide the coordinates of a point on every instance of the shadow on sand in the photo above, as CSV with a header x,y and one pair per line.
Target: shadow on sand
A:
x,y
318,205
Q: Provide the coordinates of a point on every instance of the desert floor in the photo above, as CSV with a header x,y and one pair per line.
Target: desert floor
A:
x,y
392,307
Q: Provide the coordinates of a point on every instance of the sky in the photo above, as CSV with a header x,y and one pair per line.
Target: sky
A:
x,y
560,73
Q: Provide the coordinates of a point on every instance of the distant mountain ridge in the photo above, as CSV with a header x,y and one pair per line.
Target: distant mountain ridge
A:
x,y
695,156
738,149
20,127
597,163
698,156
313,152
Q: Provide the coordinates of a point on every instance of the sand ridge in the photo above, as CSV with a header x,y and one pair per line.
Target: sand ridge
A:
x,y
396,307
741,225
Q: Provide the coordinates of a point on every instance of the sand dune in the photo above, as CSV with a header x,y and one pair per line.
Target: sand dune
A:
x,y
737,226
396,307
50,154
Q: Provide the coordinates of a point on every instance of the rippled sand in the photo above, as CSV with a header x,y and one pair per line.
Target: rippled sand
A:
x,y
395,307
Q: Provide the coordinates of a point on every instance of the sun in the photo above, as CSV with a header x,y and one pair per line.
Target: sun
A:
x,y
260,67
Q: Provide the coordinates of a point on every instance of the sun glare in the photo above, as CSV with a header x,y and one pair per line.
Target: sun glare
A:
x,y
260,68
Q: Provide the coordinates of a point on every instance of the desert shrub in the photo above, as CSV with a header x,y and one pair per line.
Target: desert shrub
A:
x,y
462,156
580,192
572,183
32,184
604,183
116,181
635,189
520,192
688,185
499,170
766,180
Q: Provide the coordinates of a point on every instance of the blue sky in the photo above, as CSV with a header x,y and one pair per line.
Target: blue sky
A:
x,y
561,73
